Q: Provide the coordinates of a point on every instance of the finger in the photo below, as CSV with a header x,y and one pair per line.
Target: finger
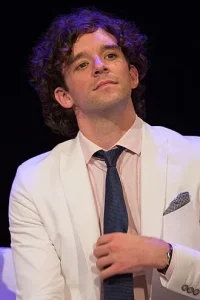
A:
x,y
104,239
108,272
101,251
104,262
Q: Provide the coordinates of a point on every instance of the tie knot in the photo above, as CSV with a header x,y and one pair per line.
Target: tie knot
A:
x,y
110,156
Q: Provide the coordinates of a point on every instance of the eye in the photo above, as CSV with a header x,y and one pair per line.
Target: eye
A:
x,y
111,55
81,66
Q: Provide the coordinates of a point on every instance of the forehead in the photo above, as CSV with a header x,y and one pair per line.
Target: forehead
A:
x,y
93,41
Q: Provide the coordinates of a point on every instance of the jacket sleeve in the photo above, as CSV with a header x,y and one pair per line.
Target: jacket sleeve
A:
x,y
37,266
185,277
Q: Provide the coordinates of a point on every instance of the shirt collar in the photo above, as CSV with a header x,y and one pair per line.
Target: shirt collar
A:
x,y
131,140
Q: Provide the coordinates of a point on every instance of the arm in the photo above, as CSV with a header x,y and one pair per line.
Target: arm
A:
x,y
185,276
124,253
184,271
38,272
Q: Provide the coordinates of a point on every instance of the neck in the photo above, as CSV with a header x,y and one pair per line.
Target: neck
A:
x,y
106,130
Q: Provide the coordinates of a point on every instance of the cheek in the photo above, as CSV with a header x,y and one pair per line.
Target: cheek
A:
x,y
77,89
130,81
127,79
78,82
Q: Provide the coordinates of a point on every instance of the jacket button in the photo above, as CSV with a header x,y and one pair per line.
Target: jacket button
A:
x,y
190,290
184,287
196,292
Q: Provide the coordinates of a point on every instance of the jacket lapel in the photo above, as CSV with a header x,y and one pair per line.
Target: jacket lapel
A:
x,y
78,192
153,181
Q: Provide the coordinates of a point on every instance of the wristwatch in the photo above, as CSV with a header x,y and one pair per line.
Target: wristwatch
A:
x,y
169,258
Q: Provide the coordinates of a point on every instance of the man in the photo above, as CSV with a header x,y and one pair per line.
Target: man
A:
x,y
66,244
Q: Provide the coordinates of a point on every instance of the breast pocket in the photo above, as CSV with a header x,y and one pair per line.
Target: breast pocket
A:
x,y
182,226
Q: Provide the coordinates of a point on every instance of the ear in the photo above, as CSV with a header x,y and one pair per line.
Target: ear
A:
x,y
134,76
63,97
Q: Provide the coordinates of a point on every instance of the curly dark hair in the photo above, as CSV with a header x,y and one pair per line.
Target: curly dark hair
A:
x,y
55,48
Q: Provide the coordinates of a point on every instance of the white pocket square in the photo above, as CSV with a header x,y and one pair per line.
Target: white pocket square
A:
x,y
180,200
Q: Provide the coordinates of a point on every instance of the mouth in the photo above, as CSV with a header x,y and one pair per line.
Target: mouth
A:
x,y
104,84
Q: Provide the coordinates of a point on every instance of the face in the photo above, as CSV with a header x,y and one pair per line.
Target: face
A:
x,y
98,78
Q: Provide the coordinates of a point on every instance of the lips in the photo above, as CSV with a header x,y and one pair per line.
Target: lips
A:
x,y
105,82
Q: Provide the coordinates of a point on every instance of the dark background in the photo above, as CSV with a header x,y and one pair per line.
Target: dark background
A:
x,y
172,94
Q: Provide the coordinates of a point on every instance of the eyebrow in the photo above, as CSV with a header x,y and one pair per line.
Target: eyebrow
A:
x,y
85,54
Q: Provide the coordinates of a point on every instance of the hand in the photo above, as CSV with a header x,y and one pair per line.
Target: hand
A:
x,y
119,253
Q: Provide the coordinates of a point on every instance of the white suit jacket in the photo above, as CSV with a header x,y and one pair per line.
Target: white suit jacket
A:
x,y
54,225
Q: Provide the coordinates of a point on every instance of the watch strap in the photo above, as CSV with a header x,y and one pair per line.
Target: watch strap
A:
x,y
169,258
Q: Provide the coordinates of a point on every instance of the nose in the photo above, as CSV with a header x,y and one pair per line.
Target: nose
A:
x,y
99,66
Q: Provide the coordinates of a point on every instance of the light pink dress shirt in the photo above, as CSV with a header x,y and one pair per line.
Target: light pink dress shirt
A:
x,y
128,166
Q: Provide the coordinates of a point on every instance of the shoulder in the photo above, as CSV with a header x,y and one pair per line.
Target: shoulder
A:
x,y
173,136
52,155
43,166
179,145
